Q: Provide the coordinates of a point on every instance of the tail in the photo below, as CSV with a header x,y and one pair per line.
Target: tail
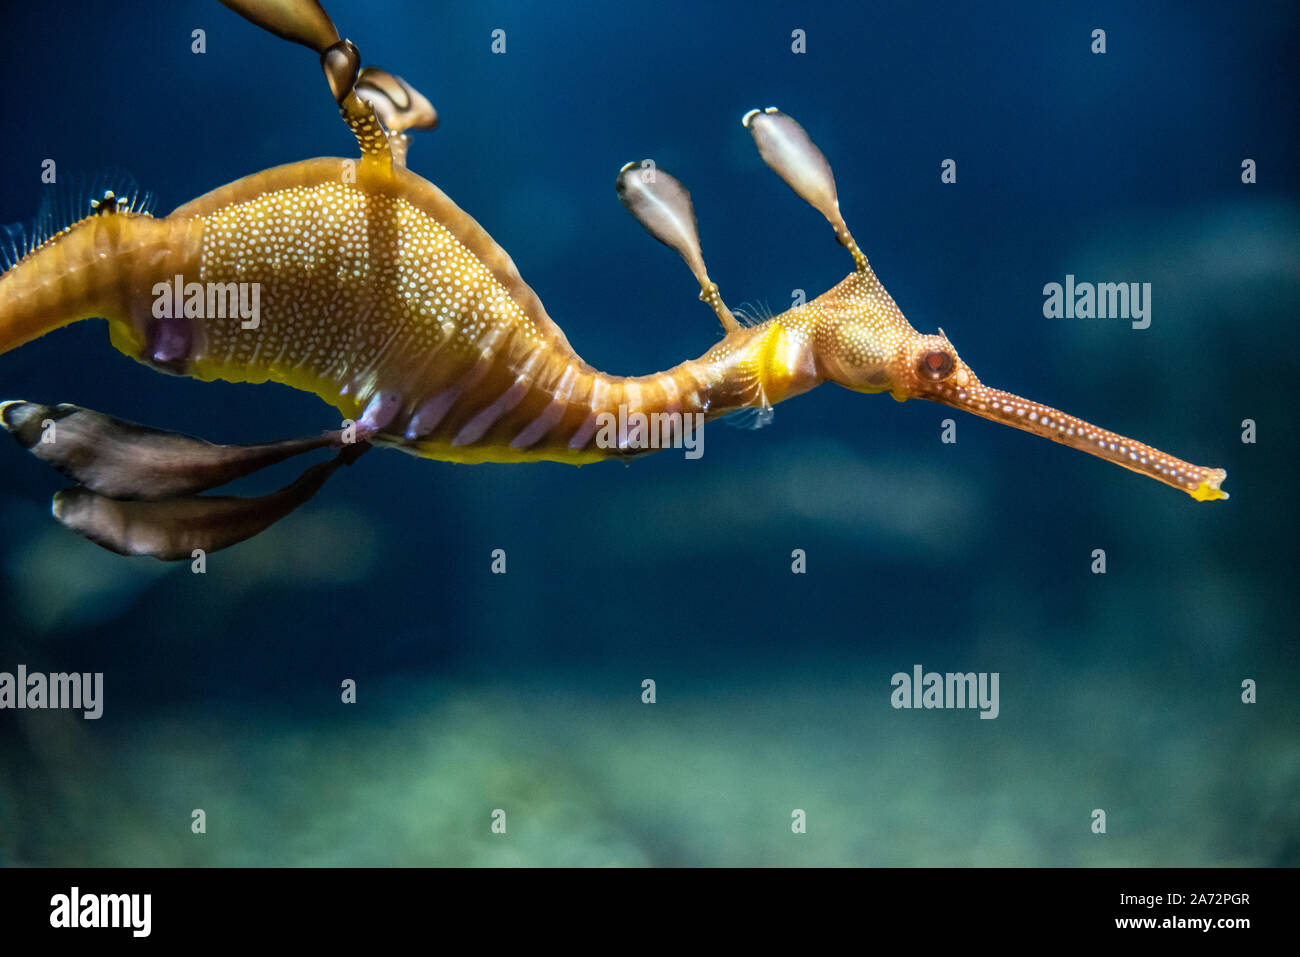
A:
x,y
97,267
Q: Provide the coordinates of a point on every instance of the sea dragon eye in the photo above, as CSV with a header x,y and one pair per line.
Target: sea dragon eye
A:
x,y
935,366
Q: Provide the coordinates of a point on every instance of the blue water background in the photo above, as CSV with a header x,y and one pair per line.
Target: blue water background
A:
x,y
523,692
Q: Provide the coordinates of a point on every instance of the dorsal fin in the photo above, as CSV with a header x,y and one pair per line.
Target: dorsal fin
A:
x,y
67,202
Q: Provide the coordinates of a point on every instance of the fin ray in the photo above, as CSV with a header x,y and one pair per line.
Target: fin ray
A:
x,y
752,418
65,203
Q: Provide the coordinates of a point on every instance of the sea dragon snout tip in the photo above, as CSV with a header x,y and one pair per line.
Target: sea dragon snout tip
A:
x,y
1208,490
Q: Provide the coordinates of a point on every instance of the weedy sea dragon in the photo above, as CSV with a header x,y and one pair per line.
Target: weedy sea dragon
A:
x,y
381,296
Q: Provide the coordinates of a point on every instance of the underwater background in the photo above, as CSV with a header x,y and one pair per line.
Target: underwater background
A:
x,y
523,692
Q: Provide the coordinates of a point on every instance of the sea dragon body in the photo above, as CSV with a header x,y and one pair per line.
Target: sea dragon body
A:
x,y
375,294
380,295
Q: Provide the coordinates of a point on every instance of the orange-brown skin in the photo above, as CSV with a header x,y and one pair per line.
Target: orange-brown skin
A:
x,y
384,298
359,265
359,291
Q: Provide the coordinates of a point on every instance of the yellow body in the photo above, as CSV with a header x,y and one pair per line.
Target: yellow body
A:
x,y
380,295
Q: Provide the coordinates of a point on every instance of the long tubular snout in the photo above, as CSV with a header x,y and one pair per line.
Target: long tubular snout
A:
x,y
1198,481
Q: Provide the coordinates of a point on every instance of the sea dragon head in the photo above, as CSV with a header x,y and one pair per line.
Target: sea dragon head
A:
x,y
854,334
862,341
